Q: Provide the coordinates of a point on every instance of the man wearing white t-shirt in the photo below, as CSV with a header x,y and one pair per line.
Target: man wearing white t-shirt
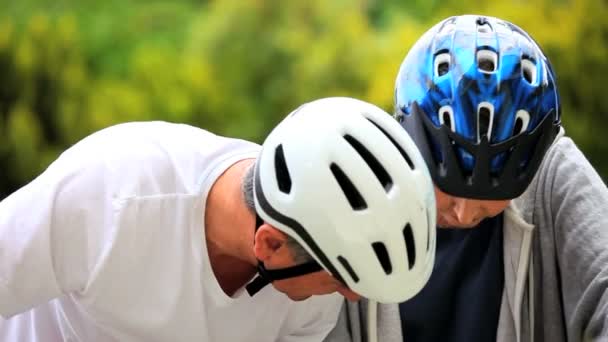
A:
x,y
156,231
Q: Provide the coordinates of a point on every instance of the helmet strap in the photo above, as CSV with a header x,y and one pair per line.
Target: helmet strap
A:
x,y
266,276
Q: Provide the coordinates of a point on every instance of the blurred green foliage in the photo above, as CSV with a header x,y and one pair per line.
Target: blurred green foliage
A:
x,y
68,68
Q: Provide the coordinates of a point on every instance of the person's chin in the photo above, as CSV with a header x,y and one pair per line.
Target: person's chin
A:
x,y
448,225
298,298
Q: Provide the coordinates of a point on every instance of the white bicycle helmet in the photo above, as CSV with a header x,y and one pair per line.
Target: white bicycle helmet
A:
x,y
342,177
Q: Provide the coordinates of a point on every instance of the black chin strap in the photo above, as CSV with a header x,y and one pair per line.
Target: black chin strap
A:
x,y
266,276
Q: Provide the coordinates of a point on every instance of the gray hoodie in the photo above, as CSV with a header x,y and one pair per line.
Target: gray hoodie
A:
x,y
555,261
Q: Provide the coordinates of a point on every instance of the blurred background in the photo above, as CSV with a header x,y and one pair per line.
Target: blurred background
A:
x,y
236,67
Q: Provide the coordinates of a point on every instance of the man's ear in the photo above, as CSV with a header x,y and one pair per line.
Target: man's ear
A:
x,y
269,242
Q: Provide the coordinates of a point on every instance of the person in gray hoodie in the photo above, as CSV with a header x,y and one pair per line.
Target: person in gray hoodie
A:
x,y
522,238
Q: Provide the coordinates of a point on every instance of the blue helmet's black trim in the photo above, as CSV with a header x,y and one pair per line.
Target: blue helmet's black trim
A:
x,y
481,183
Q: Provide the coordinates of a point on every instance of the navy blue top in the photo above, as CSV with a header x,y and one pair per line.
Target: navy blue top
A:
x,y
461,301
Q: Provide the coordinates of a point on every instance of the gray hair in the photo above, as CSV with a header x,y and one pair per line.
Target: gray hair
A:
x,y
300,255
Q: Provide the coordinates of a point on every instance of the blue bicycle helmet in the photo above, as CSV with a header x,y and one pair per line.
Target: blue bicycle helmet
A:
x,y
480,100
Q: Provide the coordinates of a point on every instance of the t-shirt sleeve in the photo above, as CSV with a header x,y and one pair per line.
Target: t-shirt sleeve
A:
x,y
314,321
45,228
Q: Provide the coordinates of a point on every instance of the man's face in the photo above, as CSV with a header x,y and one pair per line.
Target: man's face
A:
x,y
271,248
458,212
318,283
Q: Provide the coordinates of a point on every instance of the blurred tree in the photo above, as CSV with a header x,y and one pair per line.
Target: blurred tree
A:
x,y
69,67
42,71
266,57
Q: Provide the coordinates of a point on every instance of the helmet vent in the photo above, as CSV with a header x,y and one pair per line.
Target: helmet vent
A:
x,y
281,171
373,163
446,117
405,156
522,119
382,255
348,188
348,268
484,27
485,116
481,21
410,246
487,60
442,63
528,70
449,25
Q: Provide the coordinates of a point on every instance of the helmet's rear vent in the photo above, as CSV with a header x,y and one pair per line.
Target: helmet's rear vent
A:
x,y
348,268
481,21
373,163
528,70
383,258
485,117
487,60
442,63
483,26
348,188
446,117
281,171
410,246
405,156
522,119
448,26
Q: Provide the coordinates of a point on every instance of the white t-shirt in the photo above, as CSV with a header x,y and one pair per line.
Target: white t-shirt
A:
x,y
108,245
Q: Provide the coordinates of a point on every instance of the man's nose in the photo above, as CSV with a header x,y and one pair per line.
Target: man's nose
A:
x,y
465,211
